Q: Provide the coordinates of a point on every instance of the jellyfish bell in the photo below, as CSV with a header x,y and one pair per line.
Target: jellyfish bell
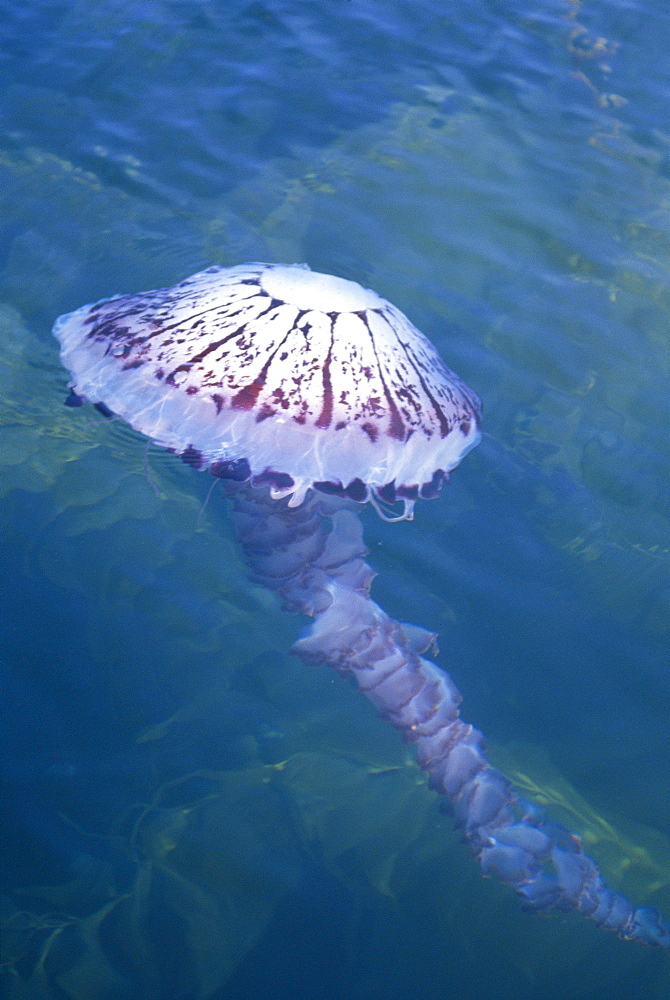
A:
x,y
280,375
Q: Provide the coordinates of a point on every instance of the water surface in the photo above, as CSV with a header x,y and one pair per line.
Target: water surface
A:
x,y
188,811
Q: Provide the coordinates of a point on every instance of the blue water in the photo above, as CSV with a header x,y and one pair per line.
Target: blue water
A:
x,y
189,812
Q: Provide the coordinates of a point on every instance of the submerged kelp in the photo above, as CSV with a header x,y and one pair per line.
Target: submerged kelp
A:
x,y
211,865
215,854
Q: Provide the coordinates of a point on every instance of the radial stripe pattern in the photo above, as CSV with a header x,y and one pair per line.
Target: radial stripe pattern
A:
x,y
295,378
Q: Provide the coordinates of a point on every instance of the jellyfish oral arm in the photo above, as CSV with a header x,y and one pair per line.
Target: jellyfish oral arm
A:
x,y
313,556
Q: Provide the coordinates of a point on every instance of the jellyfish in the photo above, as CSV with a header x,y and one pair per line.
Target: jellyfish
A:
x,y
308,396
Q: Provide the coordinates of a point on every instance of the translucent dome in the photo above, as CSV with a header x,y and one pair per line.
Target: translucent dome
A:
x,y
280,375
